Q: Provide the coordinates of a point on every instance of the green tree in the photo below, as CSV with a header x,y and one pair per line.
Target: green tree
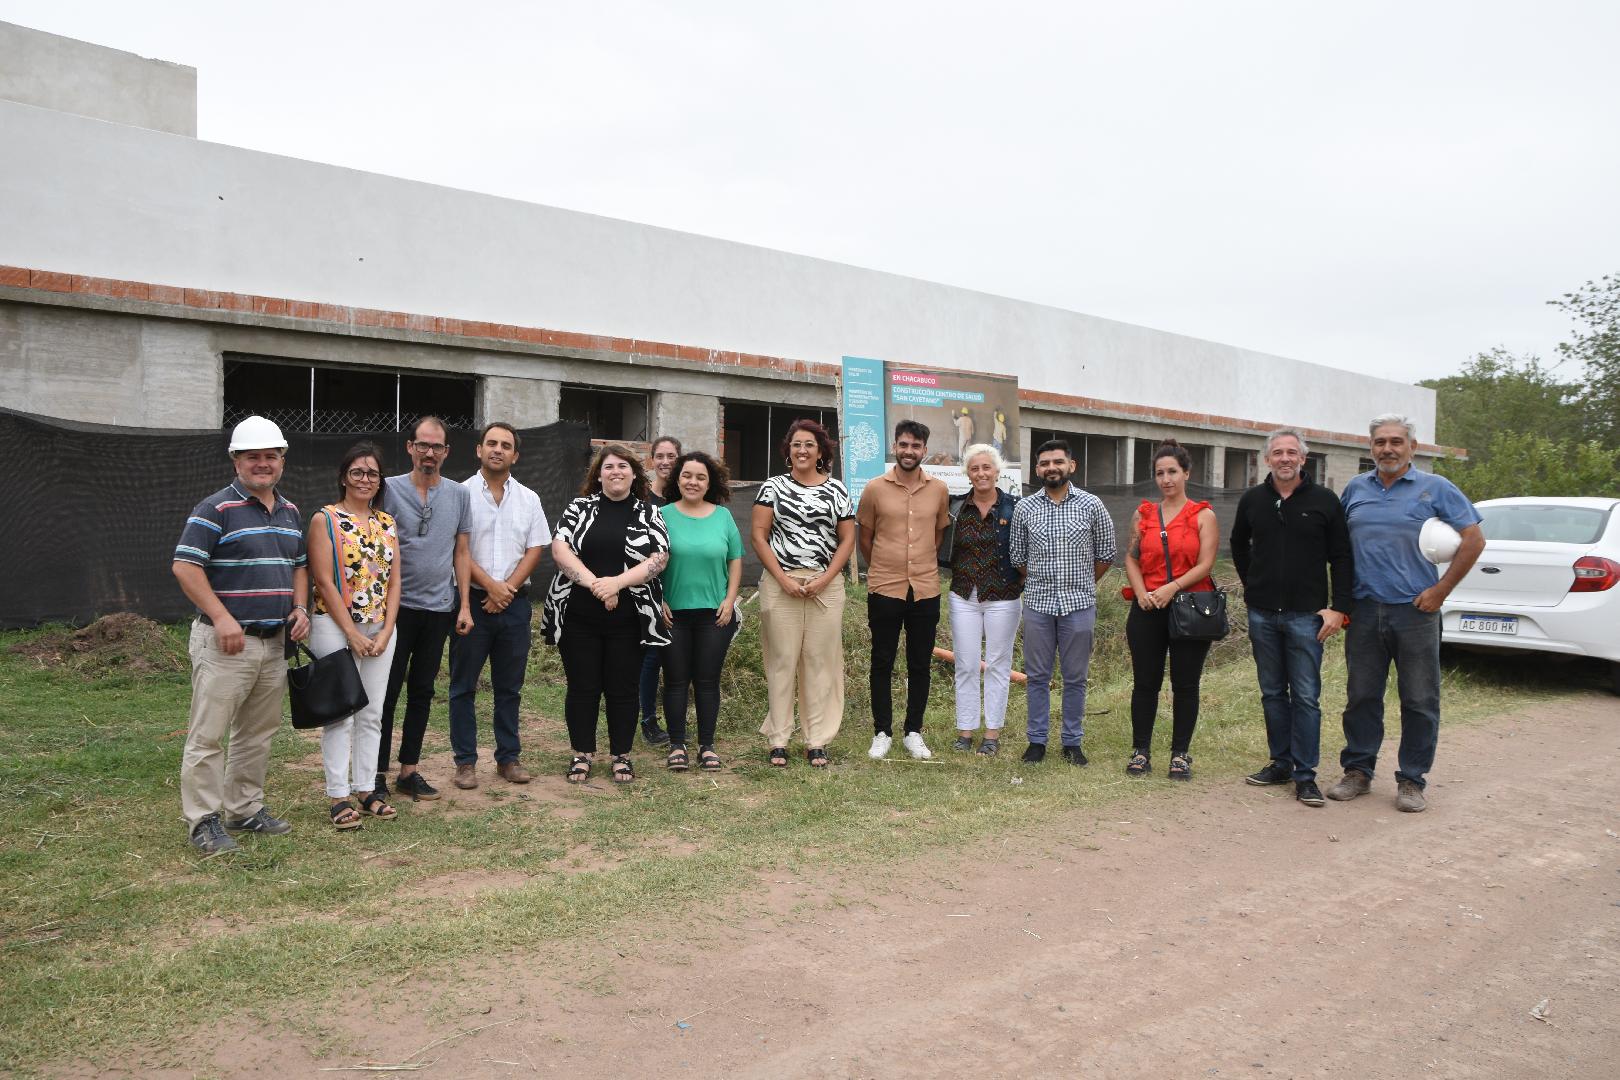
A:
x,y
1498,392
1595,307
1529,463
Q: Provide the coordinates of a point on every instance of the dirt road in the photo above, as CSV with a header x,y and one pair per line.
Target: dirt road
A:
x,y
1221,931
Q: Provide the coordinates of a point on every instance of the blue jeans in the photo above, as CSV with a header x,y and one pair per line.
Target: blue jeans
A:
x,y
1380,634
503,640
1288,662
1046,637
652,660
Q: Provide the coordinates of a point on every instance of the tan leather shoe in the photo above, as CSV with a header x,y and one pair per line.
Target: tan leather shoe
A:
x,y
1355,783
1410,800
512,772
466,777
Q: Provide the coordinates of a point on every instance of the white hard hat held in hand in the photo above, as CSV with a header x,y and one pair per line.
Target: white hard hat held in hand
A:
x,y
1438,541
257,433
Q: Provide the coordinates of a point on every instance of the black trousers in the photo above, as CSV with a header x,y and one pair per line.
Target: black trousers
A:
x,y
886,617
601,662
419,638
1148,635
693,659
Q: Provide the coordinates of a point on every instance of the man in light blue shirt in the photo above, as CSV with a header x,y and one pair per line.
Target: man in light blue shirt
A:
x,y
1396,614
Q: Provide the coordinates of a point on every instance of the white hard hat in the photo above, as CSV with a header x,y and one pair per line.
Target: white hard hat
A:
x,y
257,433
1438,541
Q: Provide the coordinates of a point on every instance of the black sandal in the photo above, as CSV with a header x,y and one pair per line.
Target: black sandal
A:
x,y
1181,766
579,770
817,756
676,761
377,806
1139,765
779,756
339,821
708,760
623,771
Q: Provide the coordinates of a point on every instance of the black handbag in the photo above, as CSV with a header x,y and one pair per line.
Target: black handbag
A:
x,y
327,688
1194,616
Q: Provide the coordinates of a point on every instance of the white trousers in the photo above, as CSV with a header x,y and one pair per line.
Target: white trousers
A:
x,y
984,628
349,746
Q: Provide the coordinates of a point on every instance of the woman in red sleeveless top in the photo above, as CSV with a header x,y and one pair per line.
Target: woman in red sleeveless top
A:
x,y
1191,532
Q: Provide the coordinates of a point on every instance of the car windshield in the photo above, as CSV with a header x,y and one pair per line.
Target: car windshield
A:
x,y
1550,524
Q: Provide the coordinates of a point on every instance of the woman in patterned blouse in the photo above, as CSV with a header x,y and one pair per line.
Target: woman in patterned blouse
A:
x,y
604,606
985,587
803,531
354,565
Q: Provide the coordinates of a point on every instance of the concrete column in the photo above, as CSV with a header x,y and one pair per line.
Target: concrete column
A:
x,y
182,375
524,403
1127,460
1217,465
692,418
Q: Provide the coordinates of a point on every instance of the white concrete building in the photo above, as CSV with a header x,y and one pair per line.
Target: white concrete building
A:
x,y
151,279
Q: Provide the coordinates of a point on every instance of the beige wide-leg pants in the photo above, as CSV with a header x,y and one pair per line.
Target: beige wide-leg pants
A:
x,y
238,697
803,645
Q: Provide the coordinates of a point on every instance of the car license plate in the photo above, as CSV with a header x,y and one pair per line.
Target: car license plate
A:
x,y
1489,624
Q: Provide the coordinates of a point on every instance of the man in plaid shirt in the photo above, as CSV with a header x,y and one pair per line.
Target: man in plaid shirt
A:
x,y
1063,540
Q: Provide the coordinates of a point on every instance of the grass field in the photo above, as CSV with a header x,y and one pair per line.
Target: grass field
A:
x,y
114,935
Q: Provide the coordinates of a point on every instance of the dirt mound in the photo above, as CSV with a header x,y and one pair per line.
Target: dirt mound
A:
x,y
122,641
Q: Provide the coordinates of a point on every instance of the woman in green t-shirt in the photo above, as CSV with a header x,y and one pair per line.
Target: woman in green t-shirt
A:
x,y
700,601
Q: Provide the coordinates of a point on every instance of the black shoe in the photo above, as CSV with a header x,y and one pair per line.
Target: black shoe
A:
x,y
1035,751
209,837
262,822
415,786
1308,793
1275,773
1074,755
652,734
381,786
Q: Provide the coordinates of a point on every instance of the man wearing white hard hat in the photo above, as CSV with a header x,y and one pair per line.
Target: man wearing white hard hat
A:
x,y
241,561
1392,512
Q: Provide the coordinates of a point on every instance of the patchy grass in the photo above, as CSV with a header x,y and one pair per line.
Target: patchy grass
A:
x,y
113,935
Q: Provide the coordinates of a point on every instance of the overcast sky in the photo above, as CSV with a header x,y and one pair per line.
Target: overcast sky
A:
x,y
1385,187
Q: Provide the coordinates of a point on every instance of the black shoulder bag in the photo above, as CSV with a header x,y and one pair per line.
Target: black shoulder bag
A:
x,y
1194,616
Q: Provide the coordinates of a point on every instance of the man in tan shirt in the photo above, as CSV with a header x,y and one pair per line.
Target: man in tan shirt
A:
x,y
902,516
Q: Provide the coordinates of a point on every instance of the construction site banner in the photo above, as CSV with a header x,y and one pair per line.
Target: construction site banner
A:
x,y
960,408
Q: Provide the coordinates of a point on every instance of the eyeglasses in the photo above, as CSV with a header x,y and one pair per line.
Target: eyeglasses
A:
x,y
358,475
430,447
422,522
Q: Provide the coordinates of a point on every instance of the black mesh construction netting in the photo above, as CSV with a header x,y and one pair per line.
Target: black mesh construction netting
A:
x,y
95,510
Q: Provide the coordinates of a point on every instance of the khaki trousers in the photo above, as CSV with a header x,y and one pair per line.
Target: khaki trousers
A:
x,y
238,697
803,645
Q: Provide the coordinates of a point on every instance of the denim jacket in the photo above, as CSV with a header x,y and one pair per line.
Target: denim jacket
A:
x,y
1005,502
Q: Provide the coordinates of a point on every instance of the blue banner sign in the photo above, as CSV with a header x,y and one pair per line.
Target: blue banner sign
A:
x,y
863,423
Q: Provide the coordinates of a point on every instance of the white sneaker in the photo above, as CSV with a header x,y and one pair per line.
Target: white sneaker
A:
x,y
880,745
915,746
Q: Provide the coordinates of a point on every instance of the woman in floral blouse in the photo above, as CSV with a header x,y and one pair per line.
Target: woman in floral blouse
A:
x,y
985,606
354,565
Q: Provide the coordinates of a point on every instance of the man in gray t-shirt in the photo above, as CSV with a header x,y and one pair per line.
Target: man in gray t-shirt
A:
x,y
433,519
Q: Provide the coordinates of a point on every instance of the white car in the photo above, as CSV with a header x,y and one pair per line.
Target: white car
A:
x,y
1548,580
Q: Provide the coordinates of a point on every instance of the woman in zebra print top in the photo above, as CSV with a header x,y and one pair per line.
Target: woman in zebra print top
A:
x,y
803,531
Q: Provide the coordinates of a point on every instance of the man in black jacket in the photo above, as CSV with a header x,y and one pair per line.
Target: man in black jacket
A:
x,y
1288,533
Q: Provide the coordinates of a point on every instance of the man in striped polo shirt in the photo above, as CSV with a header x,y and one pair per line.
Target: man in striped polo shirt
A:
x,y
241,561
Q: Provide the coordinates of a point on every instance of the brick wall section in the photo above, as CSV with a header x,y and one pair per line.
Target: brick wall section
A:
x,y
115,289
